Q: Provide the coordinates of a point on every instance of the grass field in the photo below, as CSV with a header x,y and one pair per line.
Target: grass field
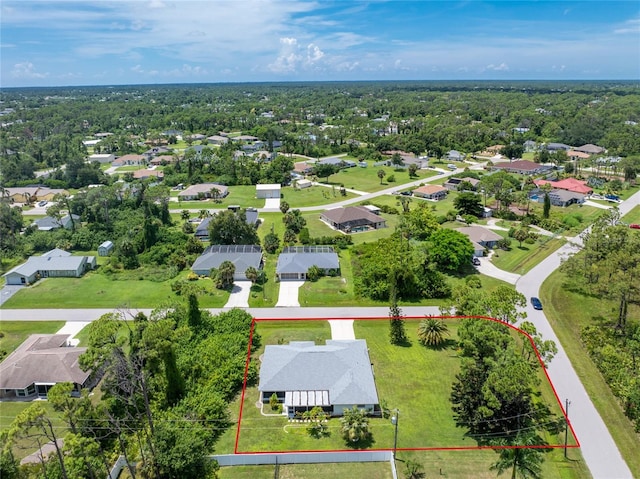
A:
x,y
371,470
366,179
313,196
15,332
243,195
568,312
633,216
96,290
520,259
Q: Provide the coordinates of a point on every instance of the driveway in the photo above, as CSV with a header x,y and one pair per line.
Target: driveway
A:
x,y
288,295
271,204
7,291
239,297
73,328
342,329
487,268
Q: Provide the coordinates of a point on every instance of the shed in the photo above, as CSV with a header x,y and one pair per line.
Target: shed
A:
x,y
105,248
268,191
301,184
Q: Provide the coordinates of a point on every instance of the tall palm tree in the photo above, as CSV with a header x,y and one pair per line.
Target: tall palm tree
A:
x,y
432,332
524,462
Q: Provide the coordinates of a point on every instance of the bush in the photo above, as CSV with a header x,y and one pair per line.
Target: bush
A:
x,y
391,179
504,243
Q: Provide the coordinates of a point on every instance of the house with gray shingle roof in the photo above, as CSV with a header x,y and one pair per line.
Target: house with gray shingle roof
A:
x,y
334,376
55,263
242,257
481,236
39,363
49,223
294,261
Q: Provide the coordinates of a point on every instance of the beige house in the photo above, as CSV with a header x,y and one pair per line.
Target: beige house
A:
x,y
431,192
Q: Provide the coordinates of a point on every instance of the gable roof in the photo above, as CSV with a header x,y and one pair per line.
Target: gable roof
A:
x,y
478,234
42,358
50,223
351,213
298,259
340,367
242,257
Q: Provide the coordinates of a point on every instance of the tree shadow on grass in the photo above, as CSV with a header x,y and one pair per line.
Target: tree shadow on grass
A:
x,y
366,443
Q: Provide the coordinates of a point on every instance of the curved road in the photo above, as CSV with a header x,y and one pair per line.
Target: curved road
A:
x,y
598,448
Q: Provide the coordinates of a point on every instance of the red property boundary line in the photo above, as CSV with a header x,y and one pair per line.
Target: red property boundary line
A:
x,y
451,448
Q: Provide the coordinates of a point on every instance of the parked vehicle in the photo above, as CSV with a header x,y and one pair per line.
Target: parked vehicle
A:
x,y
406,193
536,303
475,261
635,226
452,167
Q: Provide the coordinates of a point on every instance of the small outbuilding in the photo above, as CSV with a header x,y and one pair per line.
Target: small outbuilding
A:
x,y
268,191
105,248
301,184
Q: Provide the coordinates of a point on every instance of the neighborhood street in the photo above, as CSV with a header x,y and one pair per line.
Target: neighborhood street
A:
x,y
598,448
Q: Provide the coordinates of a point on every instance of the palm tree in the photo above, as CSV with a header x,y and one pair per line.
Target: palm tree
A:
x,y
184,214
524,462
355,425
381,175
203,214
431,332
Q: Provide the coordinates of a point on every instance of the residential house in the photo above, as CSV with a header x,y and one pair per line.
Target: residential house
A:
x,y
102,158
248,138
203,190
353,219
163,160
294,261
197,137
218,140
302,168
32,194
171,132
557,147
590,149
39,363
268,191
130,160
144,174
334,376
480,237
530,146
49,223
522,167
337,162
577,155
157,150
202,230
568,184
454,155
242,257
431,192
105,248
564,198
453,183
54,263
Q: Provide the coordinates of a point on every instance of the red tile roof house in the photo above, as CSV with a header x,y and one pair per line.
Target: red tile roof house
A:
x,y
522,167
568,184
431,192
39,363
353,219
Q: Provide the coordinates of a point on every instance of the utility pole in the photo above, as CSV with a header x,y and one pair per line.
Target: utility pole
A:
x,y
566,425
394,421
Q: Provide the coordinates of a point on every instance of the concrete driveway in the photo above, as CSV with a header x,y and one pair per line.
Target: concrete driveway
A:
x,y
487,268
288,295
342,329
239,297
9,290
272,204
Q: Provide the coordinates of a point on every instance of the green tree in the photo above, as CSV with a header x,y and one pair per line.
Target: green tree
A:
x,y
224,275
397,333
546,207
185,215
323,170
520,235
228,227
271,243
469,203
252,274
381,174
519,457
450,249
294,221
284,207
413,169
432,332
354,425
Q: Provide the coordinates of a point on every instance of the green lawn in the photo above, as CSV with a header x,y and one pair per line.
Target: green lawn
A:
x,y
96,290
366,179
632,216
243,195
313,196
370,470
568,312
15,332
520,259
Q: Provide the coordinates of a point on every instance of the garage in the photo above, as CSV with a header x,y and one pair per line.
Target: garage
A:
x,y
268,191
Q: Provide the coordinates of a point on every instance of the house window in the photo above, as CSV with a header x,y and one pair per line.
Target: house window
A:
x,y
20,393
31,389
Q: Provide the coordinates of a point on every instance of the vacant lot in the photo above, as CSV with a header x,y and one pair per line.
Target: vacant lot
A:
x,y
371,470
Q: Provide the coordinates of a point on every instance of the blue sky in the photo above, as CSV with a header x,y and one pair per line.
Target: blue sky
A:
x,y
104,42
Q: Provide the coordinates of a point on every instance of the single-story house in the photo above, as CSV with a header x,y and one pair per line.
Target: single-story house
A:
x,y
171,132
268,191
54,263
144,174
454,155
130,160
102,158
294,261
353,219
197,137
431,192
301,184
201,191
557,147
334,376
522,167
480,235
39,363
577,155
453,183
163,160
49,223
242,257
105,248
564,198
337,162
202,230
569,184
245,138
156,151
530,146
302,167
217,140
26,194
590,149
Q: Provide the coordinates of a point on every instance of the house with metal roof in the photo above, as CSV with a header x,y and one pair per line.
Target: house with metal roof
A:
x,y
54,263
49,223
353,219
39,363
334,376
105,248
294,261
242,257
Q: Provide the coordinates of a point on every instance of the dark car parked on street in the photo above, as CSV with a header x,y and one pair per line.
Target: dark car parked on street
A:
x,y
535,302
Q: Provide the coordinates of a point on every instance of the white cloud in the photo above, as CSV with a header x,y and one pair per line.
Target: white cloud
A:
x,y
26,70
630,26
503,67
314,53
